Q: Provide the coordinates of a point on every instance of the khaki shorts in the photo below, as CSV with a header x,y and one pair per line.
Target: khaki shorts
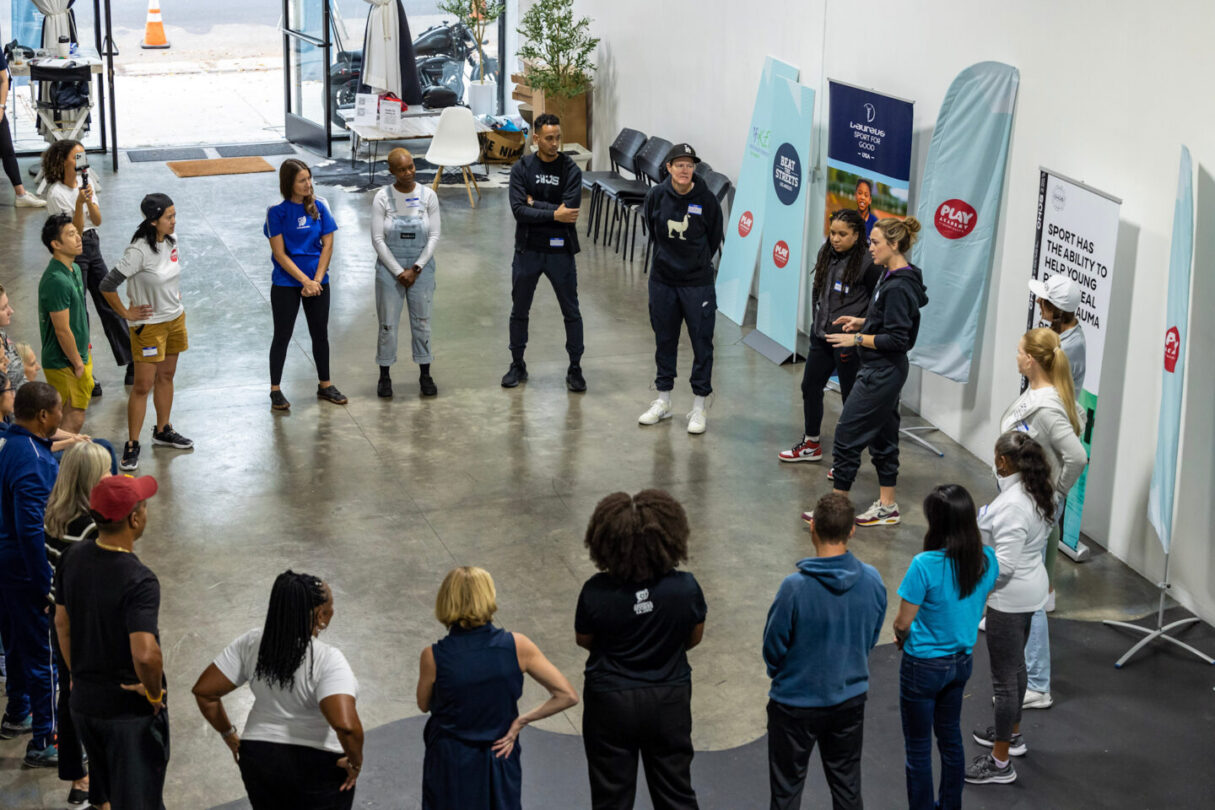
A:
x,y
152,342
75,391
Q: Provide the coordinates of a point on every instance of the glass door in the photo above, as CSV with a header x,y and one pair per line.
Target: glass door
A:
x,y
307,45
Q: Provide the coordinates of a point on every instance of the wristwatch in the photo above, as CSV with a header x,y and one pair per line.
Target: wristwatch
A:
x,y
859,339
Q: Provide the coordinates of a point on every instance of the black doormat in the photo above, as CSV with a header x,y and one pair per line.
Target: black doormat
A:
x,y
1137,738
176,153
255,149
342,174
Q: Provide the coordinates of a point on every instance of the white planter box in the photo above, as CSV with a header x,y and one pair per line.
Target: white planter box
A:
x,y
483,97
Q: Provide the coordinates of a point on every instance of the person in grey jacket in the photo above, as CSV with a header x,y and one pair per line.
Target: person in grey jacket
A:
x,y
843,282
1016,525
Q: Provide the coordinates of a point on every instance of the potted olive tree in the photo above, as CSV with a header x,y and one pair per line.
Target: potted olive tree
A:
x,y
557,53
477,16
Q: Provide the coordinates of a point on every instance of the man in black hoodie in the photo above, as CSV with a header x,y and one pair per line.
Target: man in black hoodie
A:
x,y
871,414
685,224
545,192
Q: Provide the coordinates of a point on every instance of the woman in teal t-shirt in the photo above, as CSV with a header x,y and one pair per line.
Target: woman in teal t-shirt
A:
x,y
943,596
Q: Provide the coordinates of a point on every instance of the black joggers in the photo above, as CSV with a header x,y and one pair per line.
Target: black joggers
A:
x,y
822,361
792,734
285,306
562,273
655,722
870,420
279,776
92,266
671,308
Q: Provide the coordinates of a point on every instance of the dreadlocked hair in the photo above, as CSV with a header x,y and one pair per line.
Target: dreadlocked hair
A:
x,y
856,254
287,634
638,538
1030,460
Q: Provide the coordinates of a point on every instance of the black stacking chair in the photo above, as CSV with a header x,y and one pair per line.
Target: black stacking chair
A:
x,y
703,168
621,155
651,168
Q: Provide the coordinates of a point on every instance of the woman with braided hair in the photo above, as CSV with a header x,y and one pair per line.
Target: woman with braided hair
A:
x,y
302,745
638,618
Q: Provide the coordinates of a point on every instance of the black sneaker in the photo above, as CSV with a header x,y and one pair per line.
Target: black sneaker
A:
x,y
96,389
78,798
514,375
331,394
983,770
384,388
130,457
129,378
574,380
168,437
986,737
278,401
427,384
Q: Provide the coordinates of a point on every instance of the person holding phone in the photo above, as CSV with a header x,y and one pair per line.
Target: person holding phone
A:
x,y
72,192
157,321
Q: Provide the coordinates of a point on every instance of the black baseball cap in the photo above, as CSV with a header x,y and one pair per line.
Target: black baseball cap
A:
x,y
680,150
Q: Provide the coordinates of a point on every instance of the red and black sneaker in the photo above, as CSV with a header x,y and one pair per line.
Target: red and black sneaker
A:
x,y
805,450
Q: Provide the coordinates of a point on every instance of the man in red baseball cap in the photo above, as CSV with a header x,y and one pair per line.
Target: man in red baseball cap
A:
x,y
118,687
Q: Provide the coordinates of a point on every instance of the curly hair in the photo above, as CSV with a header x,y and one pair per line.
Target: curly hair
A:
x,y
54,158
855,254
638,538
1030,460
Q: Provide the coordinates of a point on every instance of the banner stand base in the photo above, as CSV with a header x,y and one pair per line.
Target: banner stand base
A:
x,y
911,432
1162,630
1078,554
768,347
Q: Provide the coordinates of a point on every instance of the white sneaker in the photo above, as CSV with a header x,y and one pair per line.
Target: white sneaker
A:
x,y
30,200
878,514
659,409
1050,602
983,625
696,421
1037,700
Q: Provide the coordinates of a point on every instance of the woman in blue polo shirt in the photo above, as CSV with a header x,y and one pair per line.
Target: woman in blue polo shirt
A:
x,y
300,230
943,595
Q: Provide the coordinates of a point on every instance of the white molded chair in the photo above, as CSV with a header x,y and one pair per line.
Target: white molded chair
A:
x,y
455,144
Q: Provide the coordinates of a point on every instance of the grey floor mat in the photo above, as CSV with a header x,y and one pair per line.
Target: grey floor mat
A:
x,y
1089,751
177,153
255,149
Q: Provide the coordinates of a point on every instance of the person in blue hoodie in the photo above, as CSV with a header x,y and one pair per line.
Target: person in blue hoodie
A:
x,y
824,621
27,473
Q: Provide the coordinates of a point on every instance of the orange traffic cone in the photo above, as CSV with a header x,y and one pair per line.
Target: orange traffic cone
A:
x,y
154,31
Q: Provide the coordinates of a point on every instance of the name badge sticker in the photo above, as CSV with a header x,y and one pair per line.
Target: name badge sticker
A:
x,y
694,209
838,286
556,241
149,351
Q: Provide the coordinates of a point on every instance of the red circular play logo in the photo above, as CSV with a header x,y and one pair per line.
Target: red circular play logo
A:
x,y
780,253
955,218
173,255
744,223
1172,349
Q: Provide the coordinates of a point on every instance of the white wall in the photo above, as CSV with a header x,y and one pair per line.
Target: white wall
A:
x,y
1109,91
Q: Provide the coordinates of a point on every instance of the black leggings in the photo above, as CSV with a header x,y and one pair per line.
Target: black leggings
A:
x,y
7,154
285,304
822,361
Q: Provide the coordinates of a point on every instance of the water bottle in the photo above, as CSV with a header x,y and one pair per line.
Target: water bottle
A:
x,y
75,51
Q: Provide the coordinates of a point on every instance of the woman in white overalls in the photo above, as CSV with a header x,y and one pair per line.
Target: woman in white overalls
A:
x,y
404,231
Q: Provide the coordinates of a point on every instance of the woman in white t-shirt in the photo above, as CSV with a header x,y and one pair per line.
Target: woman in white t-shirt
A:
x,y
70,191
151,269
302,745
404,232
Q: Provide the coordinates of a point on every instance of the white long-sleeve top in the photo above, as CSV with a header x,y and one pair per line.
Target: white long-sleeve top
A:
x,y
1017,532
1040,413
423,202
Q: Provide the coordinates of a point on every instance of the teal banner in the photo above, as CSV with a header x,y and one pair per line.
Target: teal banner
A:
x,y
782,257
744,231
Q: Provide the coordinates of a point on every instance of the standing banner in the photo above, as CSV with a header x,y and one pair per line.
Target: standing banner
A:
x,y
1177,329
784,235
868,153
959,207
736,270
1077,235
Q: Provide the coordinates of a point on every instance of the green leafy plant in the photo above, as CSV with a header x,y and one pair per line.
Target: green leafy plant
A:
x,y
477,16
557,48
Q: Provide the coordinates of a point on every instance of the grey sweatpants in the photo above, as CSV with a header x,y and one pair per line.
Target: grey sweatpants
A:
x,y
390,299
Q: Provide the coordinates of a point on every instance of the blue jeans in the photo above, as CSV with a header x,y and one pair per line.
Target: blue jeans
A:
x,y
930,700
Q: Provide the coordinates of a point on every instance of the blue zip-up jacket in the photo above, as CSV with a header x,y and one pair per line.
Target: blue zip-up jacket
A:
x,y
821,626
27,473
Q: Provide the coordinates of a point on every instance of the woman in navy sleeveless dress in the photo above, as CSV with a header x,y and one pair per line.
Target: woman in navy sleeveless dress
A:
x,y
470,682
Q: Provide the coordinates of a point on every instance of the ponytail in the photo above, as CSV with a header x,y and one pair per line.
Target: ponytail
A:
x,y
1061,378
1030,460
901,233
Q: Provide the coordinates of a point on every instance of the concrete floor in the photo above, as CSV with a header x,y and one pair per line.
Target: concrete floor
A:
x,y
381,498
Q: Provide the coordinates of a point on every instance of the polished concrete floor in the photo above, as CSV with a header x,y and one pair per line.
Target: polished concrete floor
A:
x,y
381,498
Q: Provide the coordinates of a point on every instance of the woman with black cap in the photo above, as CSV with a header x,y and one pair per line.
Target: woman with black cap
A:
x,y
685,223
156,319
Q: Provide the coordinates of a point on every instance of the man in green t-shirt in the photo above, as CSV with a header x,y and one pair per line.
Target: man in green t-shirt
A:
x,y
64,323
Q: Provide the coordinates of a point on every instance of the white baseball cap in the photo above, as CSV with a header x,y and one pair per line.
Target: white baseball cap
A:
x,y
1059,290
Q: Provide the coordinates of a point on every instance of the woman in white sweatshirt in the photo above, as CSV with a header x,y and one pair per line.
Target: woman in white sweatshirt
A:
x,y
1016,525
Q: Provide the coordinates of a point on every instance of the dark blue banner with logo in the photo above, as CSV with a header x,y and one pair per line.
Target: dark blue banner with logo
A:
x,y
868,153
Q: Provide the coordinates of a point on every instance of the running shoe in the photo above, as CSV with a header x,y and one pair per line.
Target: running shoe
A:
x,y
659,410
130,457
879,515
517,373
330,393
168,437
696,421
986,737
10,729
983,770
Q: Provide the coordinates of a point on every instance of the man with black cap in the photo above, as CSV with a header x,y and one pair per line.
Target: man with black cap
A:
x,y
113,648
545,192
685,223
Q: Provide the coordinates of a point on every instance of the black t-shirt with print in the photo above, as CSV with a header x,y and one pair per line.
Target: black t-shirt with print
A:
x,y
640,630
108,596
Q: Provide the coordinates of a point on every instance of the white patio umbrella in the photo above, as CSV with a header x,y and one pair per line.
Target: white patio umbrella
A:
x,y
388,59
